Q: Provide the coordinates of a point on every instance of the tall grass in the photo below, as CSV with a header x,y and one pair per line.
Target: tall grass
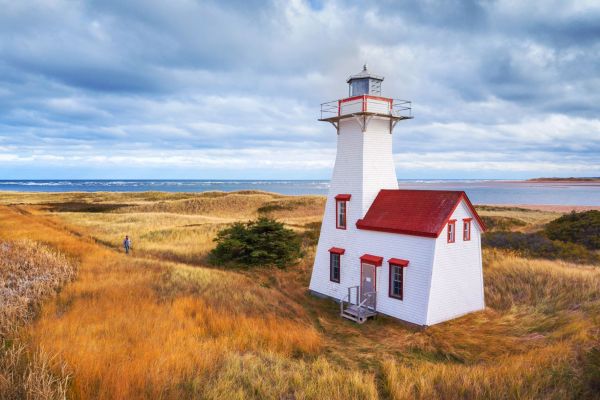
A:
x,y
150,326
29,273
541,374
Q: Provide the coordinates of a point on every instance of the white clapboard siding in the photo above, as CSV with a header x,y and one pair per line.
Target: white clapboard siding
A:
x,y
351,106
377,106
457,279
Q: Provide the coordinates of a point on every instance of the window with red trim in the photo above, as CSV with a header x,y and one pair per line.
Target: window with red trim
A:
x,y
467,229
396,281
334,267
340,214
452,231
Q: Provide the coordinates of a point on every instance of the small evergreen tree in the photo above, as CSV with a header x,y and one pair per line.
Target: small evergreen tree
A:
x,y
261,242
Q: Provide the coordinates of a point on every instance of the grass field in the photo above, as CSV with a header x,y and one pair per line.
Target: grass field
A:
x,y
161,323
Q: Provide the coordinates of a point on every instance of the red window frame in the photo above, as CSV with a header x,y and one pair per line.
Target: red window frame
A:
x,y
452,232
337,252
341,198
391,281
467,229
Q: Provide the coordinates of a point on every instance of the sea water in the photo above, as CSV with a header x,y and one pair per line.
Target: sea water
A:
x,y
479,191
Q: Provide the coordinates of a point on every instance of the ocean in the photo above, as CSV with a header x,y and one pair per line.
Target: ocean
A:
x,y
479,191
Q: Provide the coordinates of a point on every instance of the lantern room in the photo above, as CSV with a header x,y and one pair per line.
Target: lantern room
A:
x,y
364,83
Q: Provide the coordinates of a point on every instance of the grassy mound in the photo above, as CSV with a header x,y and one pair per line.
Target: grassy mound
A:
x,y
535,245
582,228
499,223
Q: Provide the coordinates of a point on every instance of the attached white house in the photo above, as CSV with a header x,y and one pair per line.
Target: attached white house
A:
x,y
411,254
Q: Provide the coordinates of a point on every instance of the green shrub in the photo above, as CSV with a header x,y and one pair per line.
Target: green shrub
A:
x,y
539,246
261,242
582,228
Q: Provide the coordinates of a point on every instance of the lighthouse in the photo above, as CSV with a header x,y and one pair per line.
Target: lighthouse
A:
x,y
364,123
381,249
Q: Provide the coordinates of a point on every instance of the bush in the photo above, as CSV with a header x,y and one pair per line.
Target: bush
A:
x,y
537,245
261,242
582,228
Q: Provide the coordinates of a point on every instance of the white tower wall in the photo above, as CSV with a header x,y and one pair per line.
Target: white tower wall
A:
x,y
457,275
364,165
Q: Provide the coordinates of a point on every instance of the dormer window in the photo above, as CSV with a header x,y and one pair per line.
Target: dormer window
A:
x,y
452,231
467,229
341,210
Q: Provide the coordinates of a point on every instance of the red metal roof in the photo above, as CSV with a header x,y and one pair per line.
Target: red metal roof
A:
x,y
371,259
337,250
414,212
398,261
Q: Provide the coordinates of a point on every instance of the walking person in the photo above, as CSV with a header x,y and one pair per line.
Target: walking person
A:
x,y
127,244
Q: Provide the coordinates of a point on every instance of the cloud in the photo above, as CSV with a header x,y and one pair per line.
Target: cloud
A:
x,y
226,88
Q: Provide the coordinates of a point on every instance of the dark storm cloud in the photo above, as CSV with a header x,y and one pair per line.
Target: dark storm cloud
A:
x,y
87,82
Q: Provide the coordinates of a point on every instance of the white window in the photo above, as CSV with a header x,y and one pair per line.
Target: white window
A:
x,y
340,222
466,229
451,231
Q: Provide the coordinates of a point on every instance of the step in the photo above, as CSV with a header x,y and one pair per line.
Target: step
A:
x,y
365,312
351,313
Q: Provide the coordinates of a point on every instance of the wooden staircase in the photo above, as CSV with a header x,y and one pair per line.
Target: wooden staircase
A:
x,y
359,310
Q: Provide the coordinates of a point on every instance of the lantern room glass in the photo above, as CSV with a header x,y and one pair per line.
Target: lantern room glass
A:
x,y
365,86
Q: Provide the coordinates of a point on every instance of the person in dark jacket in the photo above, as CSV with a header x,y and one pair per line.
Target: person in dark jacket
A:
x,y
127,244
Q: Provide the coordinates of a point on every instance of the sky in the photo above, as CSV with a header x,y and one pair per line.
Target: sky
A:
x,y
186,89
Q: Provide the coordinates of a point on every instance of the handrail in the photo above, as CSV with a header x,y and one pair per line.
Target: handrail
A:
x,y
368,302
402,108
398,107
330,109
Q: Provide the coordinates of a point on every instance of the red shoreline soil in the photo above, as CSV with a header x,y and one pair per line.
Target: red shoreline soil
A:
x,y
547,207
557,182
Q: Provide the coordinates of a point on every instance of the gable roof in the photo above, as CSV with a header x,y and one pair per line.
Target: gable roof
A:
x,y
414,212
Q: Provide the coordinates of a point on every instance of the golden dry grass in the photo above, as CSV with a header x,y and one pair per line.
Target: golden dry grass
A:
x,y
29,273
162,324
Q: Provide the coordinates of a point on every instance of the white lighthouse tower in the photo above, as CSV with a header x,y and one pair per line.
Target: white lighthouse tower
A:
x,y
364,123
368,220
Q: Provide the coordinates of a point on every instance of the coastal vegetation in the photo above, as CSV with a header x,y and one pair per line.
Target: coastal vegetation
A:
x,y
582,228
165,323
574,237
29,274
537,245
